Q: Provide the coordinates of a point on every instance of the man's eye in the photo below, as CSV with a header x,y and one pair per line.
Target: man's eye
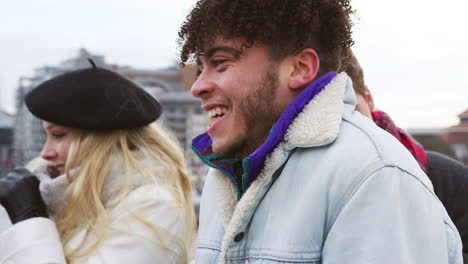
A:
x,y
217,62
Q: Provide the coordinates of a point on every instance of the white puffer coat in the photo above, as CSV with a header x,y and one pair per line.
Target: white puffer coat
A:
x,y
37,241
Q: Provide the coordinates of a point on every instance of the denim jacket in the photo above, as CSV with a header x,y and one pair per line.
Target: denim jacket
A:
x,y
337,189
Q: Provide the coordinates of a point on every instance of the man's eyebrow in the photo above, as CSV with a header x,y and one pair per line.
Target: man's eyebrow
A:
x,y
210,52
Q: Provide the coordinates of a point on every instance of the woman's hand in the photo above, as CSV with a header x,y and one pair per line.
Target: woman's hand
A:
x,y
19,194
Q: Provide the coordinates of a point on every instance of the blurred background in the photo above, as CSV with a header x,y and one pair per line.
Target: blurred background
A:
x,y
414,55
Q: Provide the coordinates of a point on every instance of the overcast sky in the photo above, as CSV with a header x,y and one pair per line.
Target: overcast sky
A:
x,y
414,52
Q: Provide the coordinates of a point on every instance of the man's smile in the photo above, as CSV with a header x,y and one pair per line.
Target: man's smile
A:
x,y
217,112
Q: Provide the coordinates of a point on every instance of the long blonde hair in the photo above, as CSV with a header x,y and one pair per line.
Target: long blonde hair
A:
x,y
93,152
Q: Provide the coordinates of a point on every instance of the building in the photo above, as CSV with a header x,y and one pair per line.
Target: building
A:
x,y
182,113
457,138
452,141
6,142
167,86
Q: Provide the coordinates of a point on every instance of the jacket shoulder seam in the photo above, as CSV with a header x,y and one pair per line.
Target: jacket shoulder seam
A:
x,y
350,193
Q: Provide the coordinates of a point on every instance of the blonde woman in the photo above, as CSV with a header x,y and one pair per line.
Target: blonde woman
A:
x,y
109,188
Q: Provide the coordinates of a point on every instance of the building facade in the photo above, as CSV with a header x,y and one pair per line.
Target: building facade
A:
x,y
452,141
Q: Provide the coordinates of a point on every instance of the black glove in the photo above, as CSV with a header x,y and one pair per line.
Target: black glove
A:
x,y
19,194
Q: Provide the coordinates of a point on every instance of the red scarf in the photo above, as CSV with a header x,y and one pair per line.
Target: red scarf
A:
x,y
386,123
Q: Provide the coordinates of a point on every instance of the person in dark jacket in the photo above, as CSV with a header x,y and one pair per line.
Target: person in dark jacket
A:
x,y
449,176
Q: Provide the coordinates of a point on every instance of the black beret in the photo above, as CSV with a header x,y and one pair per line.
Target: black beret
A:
x,y
93,98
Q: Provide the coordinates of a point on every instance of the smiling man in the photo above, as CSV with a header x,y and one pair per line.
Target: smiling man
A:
x,y
297,175
248,93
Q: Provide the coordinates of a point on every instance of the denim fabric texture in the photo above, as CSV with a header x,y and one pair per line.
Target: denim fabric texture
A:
x,y
349,193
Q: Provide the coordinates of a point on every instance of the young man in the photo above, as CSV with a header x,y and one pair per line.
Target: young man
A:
x,y
448,176
297,175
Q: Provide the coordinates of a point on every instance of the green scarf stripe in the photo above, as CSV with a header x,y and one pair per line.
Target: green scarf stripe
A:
x,y
245,175
207,159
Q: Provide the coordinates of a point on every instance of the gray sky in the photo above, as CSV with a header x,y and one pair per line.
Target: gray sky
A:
x,y
414,53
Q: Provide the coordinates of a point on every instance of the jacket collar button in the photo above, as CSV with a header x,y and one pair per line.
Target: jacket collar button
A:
x,y
239,237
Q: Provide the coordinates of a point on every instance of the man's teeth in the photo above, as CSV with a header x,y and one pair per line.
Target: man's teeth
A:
x,y
217,112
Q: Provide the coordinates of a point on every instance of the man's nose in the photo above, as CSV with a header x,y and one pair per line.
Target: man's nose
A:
x,y
203,86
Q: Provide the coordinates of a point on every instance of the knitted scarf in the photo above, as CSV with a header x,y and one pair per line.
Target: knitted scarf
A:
x,y
416,149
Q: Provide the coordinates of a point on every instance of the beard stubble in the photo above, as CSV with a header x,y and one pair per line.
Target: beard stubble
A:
x,y
259,115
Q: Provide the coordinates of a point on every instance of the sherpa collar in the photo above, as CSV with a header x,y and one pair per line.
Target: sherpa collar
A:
x,y
253,164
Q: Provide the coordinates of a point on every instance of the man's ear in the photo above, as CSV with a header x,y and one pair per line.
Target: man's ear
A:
x,y
305,66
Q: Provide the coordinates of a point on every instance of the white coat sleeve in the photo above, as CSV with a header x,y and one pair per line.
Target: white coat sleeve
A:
x,y
35,240
392,218
130,241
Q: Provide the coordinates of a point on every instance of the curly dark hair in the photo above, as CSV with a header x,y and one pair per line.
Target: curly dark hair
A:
x,y
284,26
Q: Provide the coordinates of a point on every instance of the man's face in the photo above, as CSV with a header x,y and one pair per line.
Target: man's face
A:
x,y
242,94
